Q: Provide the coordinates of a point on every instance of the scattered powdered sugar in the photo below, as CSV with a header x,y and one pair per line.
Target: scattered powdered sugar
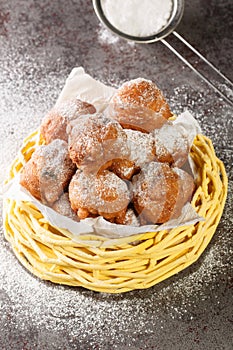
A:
x,y
53,154
75,318
124,168
136,17
160,192
110,188
102,321
192,307
107,37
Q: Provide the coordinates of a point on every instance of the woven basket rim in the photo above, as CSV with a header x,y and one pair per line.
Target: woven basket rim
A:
x,y
119,264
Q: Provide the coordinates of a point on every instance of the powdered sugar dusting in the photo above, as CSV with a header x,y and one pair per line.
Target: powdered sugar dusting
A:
x,y
141,147
131,218
137,101
106,37
51,169
95,140
126,93
159,192
171,144
106,193
72,109
62,206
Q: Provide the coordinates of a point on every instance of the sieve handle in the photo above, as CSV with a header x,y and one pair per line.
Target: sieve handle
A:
x,y
218,81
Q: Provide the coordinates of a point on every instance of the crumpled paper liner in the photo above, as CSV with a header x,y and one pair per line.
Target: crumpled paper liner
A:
x,y
83,86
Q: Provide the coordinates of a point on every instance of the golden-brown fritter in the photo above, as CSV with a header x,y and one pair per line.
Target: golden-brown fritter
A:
x,y
141,151
105,194
139,104
171,144
55,123
95,141
47,174
128,218
63,207
160,192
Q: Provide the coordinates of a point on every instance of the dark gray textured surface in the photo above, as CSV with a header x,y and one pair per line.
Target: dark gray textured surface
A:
x,y
40,42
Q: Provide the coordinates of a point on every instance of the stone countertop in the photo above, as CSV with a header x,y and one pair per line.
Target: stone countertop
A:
x,y
40,42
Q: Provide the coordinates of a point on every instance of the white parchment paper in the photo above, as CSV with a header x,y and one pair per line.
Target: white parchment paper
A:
x,y
82,86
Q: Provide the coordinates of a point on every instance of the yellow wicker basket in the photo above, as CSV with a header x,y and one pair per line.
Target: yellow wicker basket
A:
x,y
116,265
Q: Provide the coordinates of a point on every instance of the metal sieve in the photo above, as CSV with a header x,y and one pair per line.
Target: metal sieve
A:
x,y
219,82
173,21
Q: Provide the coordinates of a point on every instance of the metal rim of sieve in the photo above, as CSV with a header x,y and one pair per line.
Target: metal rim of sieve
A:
x,y
176,15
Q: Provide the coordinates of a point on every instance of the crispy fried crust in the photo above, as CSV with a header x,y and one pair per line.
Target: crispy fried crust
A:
x,y
140,105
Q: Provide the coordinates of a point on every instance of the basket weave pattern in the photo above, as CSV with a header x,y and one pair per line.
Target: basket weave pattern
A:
x,y
123,264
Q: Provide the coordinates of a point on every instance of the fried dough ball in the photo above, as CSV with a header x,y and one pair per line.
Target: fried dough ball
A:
x,y
105,194
54,125
141,151
141,146
186,189
63,207
95,142
160,192
124,168
128,218
171,144
140,105
47,174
